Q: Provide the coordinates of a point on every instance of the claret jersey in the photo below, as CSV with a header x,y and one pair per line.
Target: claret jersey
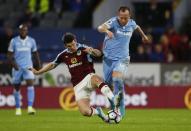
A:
x,y
79,63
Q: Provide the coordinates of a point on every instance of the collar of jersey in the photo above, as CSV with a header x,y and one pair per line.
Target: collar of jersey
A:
x,y
23,39
119,23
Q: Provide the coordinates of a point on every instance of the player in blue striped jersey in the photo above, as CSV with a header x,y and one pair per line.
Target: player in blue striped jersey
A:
x,y
118,31
20,53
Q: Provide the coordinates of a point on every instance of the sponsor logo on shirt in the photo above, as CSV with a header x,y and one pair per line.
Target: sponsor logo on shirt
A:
x,y
124,33
23,49
74,62
74,65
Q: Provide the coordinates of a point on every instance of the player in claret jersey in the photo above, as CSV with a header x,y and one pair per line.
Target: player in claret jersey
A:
x,y
78,58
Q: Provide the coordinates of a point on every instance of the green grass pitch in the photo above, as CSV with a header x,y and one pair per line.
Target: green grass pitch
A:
x,y
60,120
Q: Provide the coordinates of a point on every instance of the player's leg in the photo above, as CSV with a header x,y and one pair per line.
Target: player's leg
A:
x,y
107,75
82,92
30,96
97,82
86,110
29,77
107,71
17,99
120,68
16,80
119,90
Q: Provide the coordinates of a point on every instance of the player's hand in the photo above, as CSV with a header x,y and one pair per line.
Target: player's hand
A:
x,y
145,39
34,71
88,50
110,34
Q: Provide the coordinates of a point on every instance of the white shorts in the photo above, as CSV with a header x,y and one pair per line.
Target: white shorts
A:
x,y
84,88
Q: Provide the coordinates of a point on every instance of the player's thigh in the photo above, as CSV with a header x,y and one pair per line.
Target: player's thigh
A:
x,y
17,76
84,105
120,68
83,89
29,77
28,74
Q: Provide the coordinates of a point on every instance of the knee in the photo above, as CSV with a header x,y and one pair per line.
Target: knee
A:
x,y
96,80
118,80
119,83
30,83
86,112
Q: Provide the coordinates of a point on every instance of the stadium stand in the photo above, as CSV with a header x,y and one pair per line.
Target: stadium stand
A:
x,y
64,15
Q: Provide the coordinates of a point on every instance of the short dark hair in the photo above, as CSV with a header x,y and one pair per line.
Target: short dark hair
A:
x,y
124,8
68,37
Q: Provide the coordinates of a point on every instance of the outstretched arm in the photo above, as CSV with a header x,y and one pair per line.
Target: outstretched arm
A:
x,y
46,68
144,37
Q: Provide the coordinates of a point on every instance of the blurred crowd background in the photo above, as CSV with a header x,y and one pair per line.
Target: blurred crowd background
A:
x,y
166,22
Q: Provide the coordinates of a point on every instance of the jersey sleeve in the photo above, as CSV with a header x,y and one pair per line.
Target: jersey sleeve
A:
x,y
58,59
34,47
110,23
11,46
134,25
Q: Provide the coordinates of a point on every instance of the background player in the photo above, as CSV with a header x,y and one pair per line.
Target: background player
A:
x,y
79,60
20,53
118,32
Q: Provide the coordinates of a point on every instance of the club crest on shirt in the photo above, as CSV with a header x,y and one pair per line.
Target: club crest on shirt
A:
x,y
73,60
79,52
